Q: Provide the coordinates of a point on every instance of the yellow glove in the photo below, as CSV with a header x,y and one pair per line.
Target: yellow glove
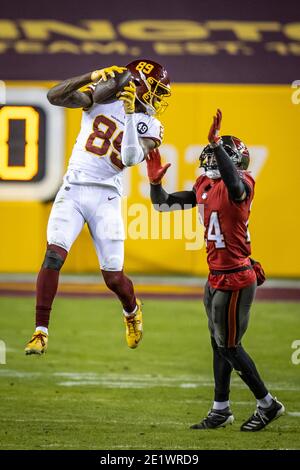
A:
x,y
128,98
108,72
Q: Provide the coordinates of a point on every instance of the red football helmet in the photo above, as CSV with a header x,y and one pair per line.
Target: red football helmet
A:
x,y
236,150
152,84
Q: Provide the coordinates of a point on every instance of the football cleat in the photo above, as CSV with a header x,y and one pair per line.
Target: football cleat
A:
x,y
38,343
263,416
134,326
215,419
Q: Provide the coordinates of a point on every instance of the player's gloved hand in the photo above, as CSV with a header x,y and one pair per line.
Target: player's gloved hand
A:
x,y
104,74
154,167
213,135
128,98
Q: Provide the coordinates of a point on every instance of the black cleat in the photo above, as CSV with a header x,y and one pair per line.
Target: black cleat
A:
x,y
263,416
215,419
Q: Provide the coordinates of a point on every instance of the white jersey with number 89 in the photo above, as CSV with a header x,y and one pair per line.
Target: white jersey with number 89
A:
x,y
96,155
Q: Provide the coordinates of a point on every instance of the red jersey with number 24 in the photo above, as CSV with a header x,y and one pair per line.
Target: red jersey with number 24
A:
x,y
226,231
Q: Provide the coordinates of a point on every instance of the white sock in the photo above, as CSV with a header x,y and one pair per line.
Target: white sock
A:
x,y
266,401
220,405
127,314
42,328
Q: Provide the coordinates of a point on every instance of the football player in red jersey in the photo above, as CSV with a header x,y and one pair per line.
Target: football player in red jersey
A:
x,y
226,191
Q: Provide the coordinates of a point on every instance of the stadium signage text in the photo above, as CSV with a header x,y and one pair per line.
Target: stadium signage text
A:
x,y
166,37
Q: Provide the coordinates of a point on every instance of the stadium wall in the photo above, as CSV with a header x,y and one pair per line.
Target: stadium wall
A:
x,y
261,115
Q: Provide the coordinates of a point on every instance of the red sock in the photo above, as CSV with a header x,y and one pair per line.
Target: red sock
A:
x,y
122,286
46,288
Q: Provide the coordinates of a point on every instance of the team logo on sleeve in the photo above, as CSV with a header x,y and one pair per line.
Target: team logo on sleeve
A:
x,y
142,128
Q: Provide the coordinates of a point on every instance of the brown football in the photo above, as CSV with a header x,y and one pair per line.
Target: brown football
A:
x,y
105,91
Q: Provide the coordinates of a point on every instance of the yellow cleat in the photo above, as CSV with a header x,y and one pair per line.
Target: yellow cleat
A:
x,y
38,343
134,327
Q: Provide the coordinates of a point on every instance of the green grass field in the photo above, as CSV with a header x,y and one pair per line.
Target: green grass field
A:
x,y
91,392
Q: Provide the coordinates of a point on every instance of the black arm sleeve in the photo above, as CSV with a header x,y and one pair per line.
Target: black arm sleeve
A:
x,y
165,202
229,174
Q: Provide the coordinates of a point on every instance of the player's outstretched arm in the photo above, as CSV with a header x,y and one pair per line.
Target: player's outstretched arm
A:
x,y
67,93
163,201
133,149
236,187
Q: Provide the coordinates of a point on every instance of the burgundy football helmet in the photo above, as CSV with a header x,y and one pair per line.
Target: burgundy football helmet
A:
x,y
152,84
236,150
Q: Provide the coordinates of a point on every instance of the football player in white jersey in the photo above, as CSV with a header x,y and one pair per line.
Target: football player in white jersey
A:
x,y
114,134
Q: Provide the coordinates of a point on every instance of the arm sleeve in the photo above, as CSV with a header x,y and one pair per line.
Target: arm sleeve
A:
x,y
165,202
131,150
234,183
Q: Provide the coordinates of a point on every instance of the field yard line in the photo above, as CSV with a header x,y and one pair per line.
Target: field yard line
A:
x,y
136,385
115,380
89,447
47,420
17,374
128,384
140,377
295,414
188,385
73,446
87,422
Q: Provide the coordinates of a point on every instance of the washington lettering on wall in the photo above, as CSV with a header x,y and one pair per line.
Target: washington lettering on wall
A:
x,y
197,44
167,37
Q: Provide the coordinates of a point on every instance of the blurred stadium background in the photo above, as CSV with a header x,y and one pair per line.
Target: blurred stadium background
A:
x,y
242,59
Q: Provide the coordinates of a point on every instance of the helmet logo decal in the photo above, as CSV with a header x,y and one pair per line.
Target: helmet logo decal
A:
x,y
144,67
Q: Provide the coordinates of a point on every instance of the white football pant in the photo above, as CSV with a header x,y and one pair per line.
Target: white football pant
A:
x,y
100,208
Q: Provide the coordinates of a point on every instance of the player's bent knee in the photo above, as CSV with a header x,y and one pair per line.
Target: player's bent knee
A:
x,y
53,260
112,263
59,238
230,354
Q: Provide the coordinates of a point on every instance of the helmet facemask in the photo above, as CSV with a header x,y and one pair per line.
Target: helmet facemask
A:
x,y
154,99
152,85
236,150
209,163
